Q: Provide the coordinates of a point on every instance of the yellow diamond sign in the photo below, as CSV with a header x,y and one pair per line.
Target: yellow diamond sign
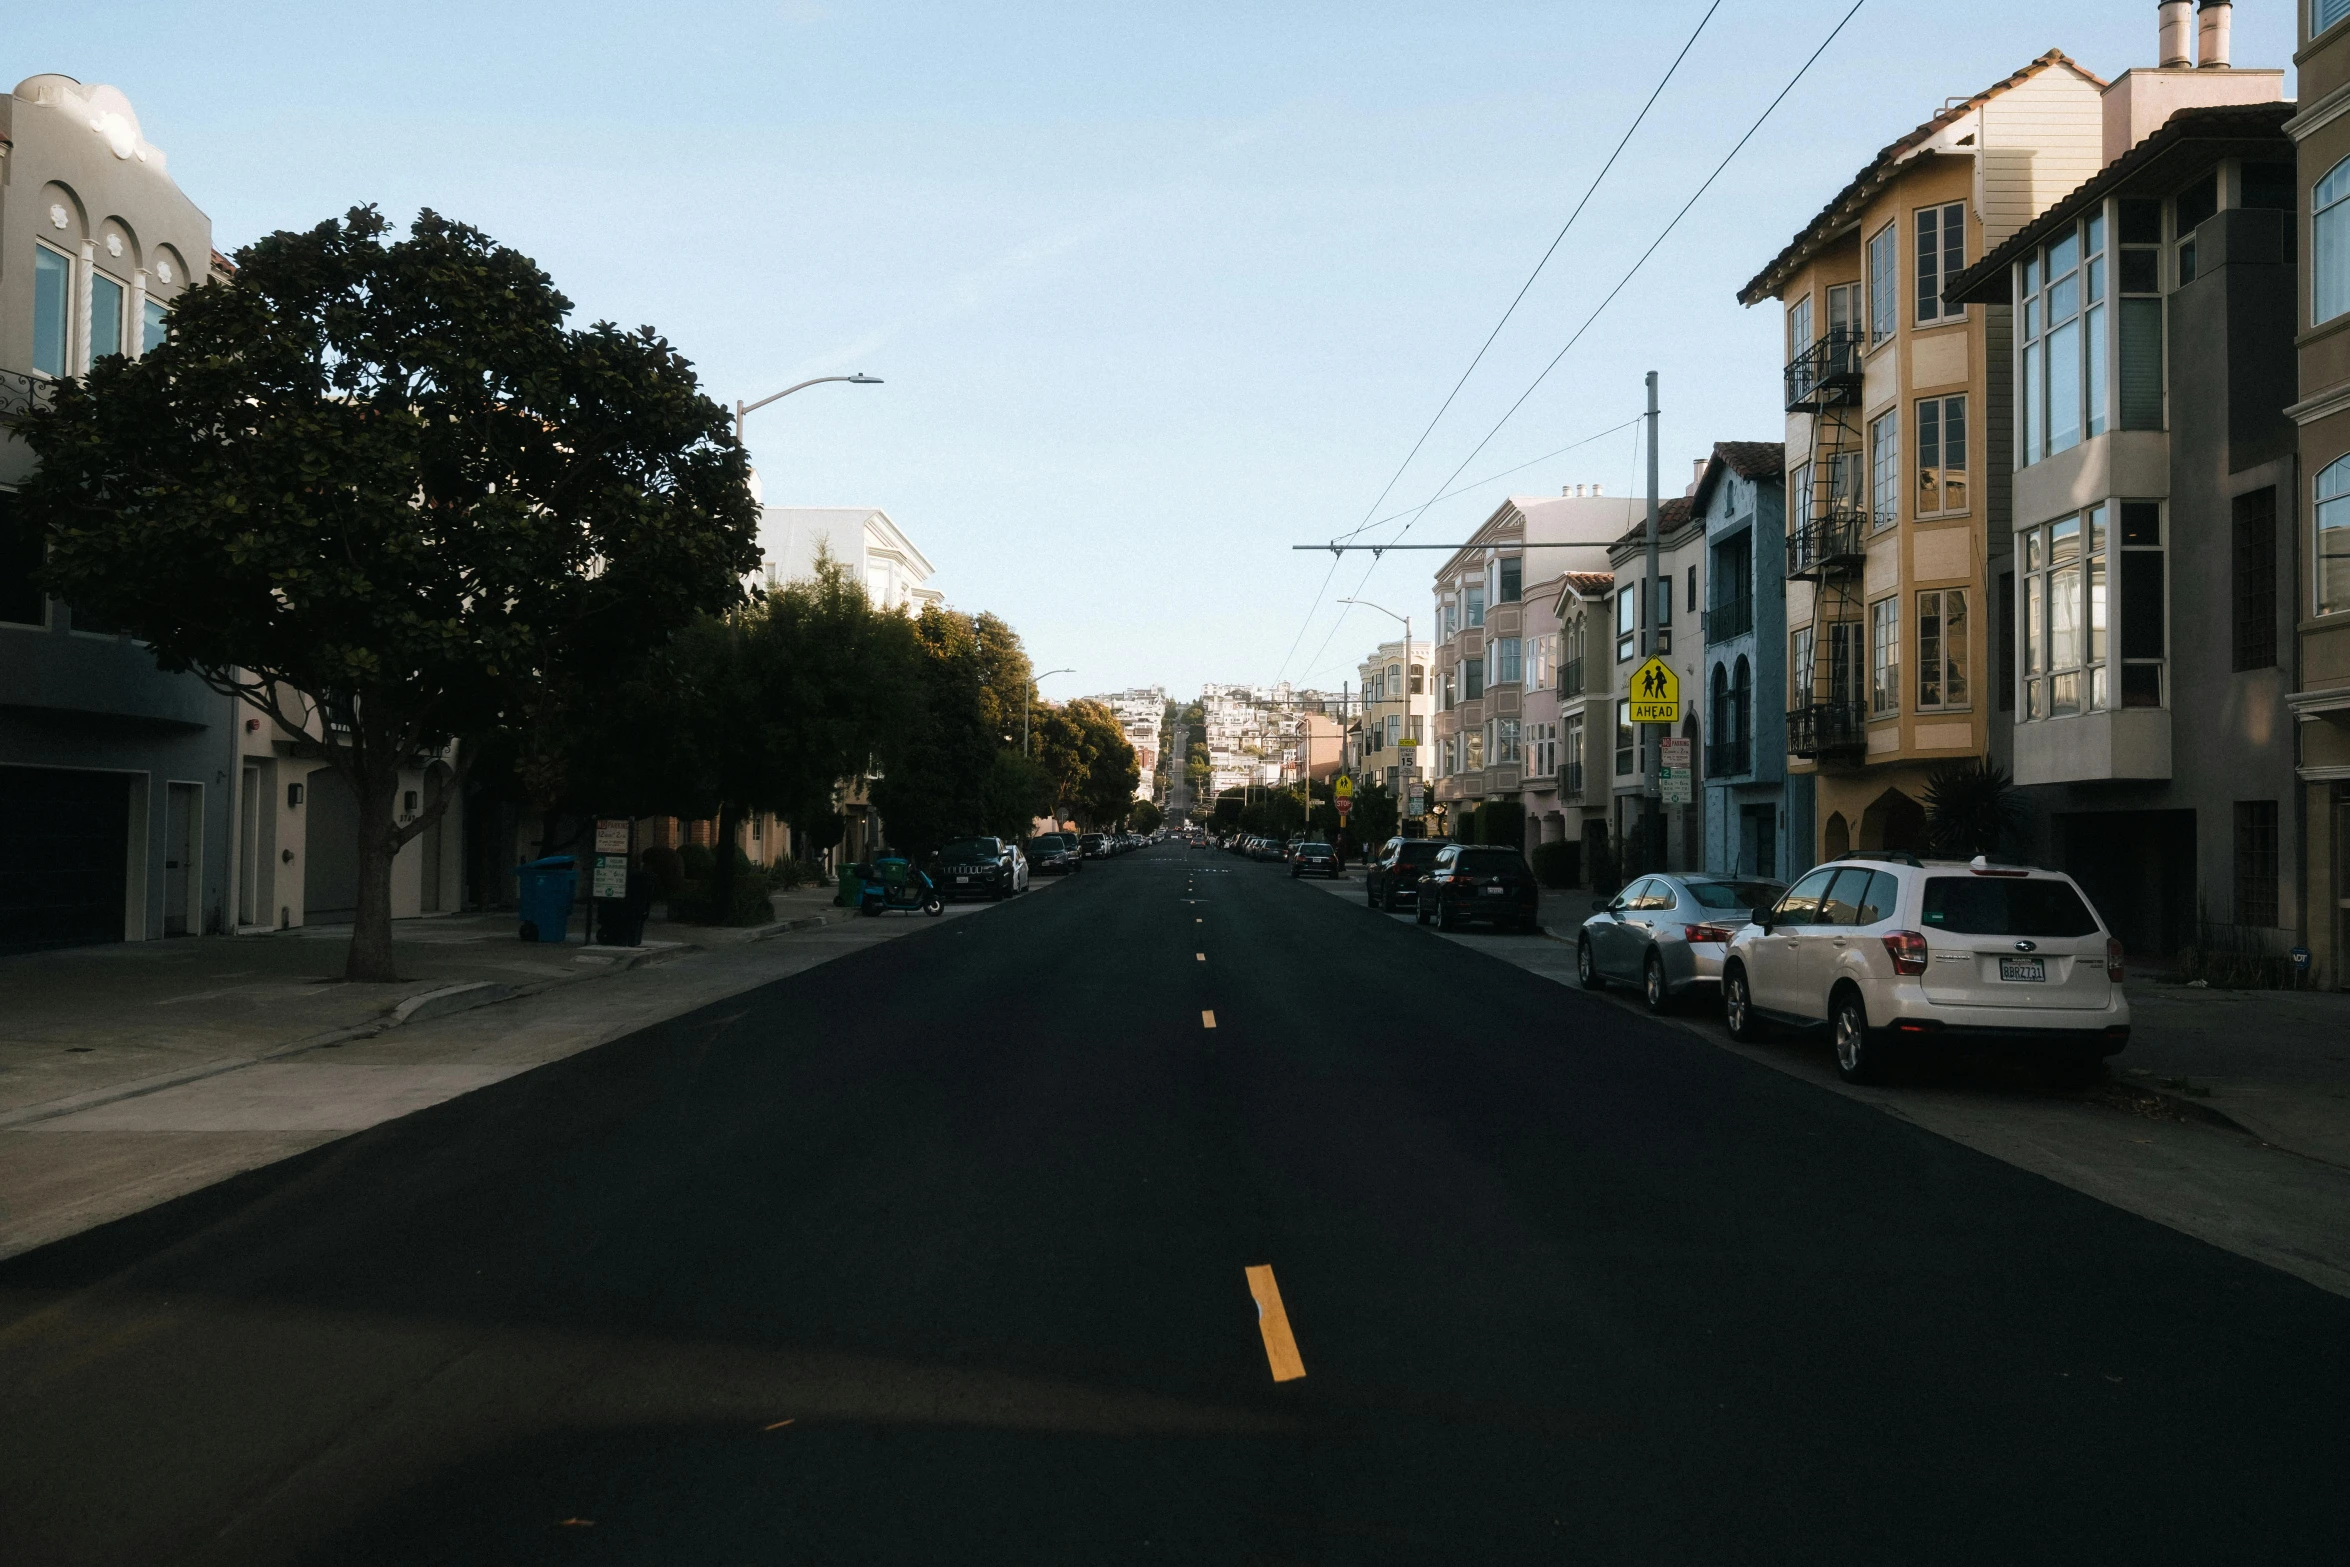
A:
x,y
1344,788
1655,694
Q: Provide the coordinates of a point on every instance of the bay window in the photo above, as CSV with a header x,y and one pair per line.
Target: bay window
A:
x,y
1942,649
52,311
2329,245
2066,651
1885,470
1882,289
1884,657
106,302
1941,253
2331,573
1508,661
1505,743
1472,679
1942,458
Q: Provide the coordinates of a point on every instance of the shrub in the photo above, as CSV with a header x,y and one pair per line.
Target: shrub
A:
x,y
2235,957
1503,823
696,860
1557,863
1606,873
693,905
668,875
789,872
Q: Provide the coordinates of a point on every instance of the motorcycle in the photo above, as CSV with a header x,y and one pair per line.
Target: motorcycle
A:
x,y
907,893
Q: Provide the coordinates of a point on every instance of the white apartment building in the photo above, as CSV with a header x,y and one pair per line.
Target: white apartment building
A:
x,y
1396,708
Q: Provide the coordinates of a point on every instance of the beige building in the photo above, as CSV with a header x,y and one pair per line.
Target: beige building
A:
x,y
2321,524
1898,405
1396,707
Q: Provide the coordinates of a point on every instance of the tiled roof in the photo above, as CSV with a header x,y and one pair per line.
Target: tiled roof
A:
x,y
1671,512
1751,460
1590,582
1838,212
2225,123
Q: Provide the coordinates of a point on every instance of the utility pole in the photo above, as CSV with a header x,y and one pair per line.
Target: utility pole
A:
x,y
1650,640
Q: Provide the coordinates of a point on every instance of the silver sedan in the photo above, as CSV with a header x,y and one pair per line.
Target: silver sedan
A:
x,y
1667,934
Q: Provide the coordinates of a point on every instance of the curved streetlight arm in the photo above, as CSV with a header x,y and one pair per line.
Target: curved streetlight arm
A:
x,y
743,410
1033,681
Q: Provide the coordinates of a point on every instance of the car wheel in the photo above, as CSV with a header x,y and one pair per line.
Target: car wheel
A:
x,y
1860,1053
1653,989
1587,967
1445,918
1746,1025
1420,911
1370,898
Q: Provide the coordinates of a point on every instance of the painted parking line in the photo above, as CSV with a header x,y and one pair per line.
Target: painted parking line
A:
x,y
1273,1322
1207,1019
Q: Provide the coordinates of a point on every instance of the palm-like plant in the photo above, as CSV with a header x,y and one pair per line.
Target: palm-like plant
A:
x,y
1971,808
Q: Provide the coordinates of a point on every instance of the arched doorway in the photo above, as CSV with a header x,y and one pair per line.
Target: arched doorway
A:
x,y
1894,821
1836,837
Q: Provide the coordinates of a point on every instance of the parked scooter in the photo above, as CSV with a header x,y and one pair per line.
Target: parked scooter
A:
x,y
894,883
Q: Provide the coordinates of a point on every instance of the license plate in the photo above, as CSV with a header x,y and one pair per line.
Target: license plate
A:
x,y
962,879
1495,892
2033,971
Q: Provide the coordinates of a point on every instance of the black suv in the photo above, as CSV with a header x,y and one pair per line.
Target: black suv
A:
x,y
1393,881
1314,859
1480,882
1055,854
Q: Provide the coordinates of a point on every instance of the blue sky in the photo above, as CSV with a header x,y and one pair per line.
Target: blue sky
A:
x,y
1157,292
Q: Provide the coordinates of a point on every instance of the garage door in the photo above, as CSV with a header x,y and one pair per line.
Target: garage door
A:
x,y
64,857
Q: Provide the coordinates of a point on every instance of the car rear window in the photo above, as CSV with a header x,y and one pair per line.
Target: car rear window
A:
x,y
1739,895
970,849
2005,906
1419,853
1490,862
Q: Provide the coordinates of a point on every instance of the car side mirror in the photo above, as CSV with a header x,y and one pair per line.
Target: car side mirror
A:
x,y
1762,916
1599,905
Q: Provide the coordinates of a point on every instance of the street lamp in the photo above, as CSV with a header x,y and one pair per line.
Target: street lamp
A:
x,y
1034,680
1407,665
743,410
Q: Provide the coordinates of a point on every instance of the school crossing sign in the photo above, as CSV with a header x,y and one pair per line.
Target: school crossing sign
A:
x,y
1655,694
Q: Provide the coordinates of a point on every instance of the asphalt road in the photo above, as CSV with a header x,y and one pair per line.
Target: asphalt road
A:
x,y
938,1254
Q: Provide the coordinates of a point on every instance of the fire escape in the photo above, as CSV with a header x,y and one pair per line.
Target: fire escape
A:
x,y
1827,546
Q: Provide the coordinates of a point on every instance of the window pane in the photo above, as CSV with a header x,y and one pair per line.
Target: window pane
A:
x,y
2333,555
1929,457
2142,629
2064,387
1881,306
52,300
1954,466
106,300
1929,256
2094,347
1953,250
1929,650
1954,650
2329,234
1885,470
2141,388
1884,655
2033,404
156,328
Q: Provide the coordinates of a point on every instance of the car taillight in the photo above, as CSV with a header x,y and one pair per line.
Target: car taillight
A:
x,y
2113,960
1720,933
1908,950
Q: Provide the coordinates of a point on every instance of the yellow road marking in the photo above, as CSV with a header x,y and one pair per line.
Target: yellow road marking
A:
x,y
779,1425
1207,1020
1273,1322
1203,957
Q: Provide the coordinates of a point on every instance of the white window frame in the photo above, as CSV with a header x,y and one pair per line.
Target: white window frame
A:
x,y
2330,514
1945,660
1935,269
1885,657
1508,743
1935,455
1506,662
1885,469
1881,270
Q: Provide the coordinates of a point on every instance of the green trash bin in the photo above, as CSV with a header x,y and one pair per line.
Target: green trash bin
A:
x,y
544,897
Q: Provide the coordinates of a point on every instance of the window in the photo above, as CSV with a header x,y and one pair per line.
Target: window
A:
x,y
21,602
1393,686
1448,615
1881,285
1505,743
1942,649
1627,623
1473,749
1571,658
2192,207
2065,651
1474,595
2256,863
156,328
1691,606
52,310
1394,728
1508,661
1511,580
1884,657
2325,13
1412,727
1419,679
1449,679
1449,754
2254,579
1942,489
2332,574
1624,739
1941,257
106,302
1799,665
1885,470
1798,327
2144,604
1541,660
1571,755
1472,679
2140,278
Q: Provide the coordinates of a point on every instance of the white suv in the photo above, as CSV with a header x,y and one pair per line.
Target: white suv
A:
x,y
1886,951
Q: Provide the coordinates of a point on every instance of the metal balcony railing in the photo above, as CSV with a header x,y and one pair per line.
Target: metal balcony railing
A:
x,y
1729,758
1831,542
1827,730
1826,373
1724,621
20,394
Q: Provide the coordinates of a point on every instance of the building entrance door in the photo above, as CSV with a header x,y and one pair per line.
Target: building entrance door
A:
x,y
64,857
183,848
249,848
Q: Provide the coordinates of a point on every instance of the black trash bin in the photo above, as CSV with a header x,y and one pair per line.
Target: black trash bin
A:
x,y
620,922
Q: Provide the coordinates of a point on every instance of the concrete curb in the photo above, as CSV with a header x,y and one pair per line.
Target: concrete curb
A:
x,y
452,998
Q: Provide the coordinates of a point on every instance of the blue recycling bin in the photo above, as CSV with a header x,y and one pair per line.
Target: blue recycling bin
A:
x,y
544,899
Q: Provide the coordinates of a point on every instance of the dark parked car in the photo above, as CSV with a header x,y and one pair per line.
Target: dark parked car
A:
x,y
1268,849
1480,882
1393,881
1055,854
1095,845
981,868
1315,859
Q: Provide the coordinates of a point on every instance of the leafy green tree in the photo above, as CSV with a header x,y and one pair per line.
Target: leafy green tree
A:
x,y
935,775
1093,767
1375,815
1018,790
381,492
1146,817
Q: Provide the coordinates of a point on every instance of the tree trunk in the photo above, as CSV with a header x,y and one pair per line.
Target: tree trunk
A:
x,y
722,866
370,958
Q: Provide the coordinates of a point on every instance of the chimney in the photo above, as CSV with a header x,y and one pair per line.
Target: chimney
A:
x,y
1696,475
2176,22
2211,34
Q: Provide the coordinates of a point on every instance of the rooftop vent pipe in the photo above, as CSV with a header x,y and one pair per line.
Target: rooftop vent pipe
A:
x,y
2211,34
2176,23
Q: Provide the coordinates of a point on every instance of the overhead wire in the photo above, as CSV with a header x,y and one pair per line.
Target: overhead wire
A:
x,y
1597,310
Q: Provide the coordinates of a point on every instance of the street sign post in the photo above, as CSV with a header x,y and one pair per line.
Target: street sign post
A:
x,y
1655,693
1674,785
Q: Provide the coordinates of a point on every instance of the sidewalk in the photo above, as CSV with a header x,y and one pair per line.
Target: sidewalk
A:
x,y
131,1074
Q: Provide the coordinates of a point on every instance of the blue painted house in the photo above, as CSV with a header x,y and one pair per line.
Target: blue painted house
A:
x,y
1758,816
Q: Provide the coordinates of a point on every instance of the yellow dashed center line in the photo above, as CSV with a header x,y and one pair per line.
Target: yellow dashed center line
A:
x,y
1201,956
1273,1322
1207,1019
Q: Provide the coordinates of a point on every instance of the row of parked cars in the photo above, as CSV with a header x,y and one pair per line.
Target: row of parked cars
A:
x,y
999,867
1880,950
